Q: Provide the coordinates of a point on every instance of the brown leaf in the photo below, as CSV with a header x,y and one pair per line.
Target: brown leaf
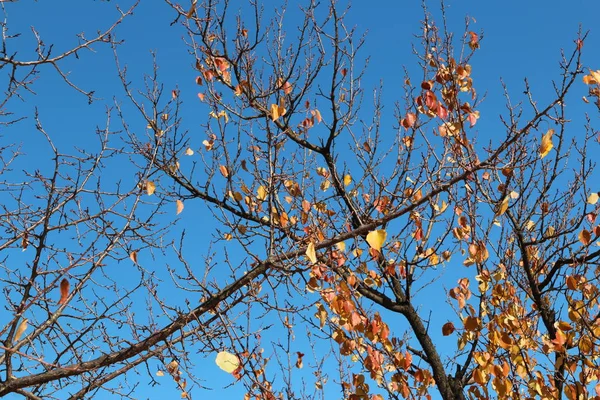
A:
x,y
448,329
133,256
64,291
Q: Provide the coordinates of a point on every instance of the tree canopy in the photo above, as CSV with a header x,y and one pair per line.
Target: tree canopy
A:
x,y
269,215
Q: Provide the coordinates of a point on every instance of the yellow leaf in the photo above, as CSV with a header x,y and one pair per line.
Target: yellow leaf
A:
x,y
503,206
160,373
595,75
347,180
20,330
133,256
277,111
179,206
546,144
189,152
150,188
311,253
341,246
376,238
593,198
227,362
261,193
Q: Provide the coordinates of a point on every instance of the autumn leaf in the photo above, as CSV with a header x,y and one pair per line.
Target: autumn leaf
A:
x,y
277,111
546,144
408,121
317,115
299,359
347,179
448,329
20,330
224,171
64,291
189,152
133,256
311,253
160,373
376,239
585,237
150,188
179,204
593,198
227,362
503,206
261,193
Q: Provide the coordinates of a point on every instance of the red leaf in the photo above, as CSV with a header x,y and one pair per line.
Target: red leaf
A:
x,y
64,291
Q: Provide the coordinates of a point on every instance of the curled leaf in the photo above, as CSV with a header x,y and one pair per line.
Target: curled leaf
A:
x,y
20,330
133,256
179,206
311,254
546,144
64,291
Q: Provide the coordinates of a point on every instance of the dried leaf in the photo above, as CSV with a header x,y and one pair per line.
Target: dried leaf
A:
x,y
133,256
261,193
179,204
376,239
448,329
224,171
546,144
227,362
311,254
150,188
585,237
64,291
20,330
503,206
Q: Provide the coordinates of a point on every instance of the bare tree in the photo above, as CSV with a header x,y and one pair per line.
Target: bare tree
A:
x,y
332,227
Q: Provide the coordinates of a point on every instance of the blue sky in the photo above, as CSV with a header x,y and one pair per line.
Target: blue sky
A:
x,y
521,39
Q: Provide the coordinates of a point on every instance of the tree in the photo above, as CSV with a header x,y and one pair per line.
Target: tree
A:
x,y
332,228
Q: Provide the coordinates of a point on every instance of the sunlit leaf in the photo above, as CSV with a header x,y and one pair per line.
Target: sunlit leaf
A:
x,y
179,204
20,330
227,362
64,291
189,152
585,237
261,193
376,238
150,188
503,206
546,144
341,246
311,253
347,179
160,373
593,198
133,256
224,171
277,111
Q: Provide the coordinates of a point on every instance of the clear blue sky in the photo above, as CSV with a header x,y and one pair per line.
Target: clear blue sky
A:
x,y
521,39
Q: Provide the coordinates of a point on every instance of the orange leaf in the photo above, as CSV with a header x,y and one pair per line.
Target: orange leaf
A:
x,y
179,206
448,329
133,256
585,237
408,121
224,171
64,291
